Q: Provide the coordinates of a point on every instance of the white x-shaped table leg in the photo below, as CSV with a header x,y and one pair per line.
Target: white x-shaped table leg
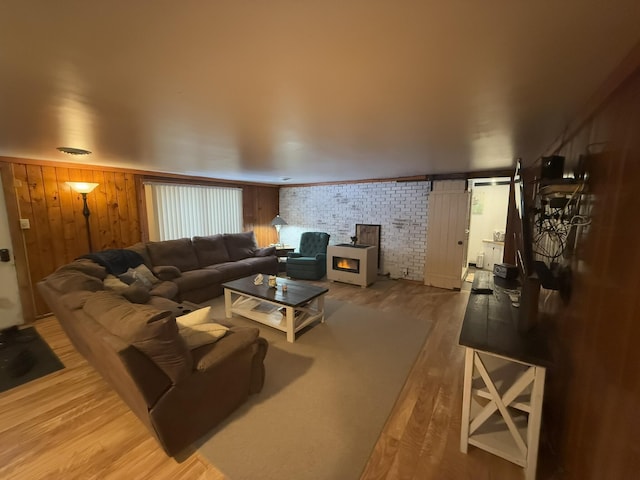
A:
x,y
501,402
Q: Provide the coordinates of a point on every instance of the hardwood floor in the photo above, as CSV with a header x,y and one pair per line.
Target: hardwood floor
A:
x,y
70,424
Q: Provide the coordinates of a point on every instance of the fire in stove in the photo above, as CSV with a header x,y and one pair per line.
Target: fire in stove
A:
x,y
346,264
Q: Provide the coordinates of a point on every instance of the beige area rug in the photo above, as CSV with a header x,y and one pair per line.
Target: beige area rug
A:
x,y
326,397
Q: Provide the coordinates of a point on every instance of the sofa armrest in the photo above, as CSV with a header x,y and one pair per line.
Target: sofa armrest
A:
x,y
165,289
321,256
167,272
209,356
293,255
265,252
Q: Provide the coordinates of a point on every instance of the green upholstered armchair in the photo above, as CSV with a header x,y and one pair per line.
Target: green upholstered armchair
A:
x,y
310,262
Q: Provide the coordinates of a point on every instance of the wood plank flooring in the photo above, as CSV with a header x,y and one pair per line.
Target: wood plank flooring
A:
x,y
71,425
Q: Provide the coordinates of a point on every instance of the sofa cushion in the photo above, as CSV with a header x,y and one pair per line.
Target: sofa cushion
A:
x,y
136,294
265,252
163,303
196,279
162,342
210,250
152,331
141,249
164,289
86,266
179,253
240,245
73,280
236,338
111,282
119,316
261,264
75,300
231,270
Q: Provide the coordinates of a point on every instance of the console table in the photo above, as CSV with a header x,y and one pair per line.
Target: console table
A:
x,y
504,377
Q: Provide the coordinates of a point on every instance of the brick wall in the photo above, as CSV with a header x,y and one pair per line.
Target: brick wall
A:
x,y
399,207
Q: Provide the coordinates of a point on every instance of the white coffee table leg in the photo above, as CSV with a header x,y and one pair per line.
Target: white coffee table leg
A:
x,y
321,307
291,334
227,303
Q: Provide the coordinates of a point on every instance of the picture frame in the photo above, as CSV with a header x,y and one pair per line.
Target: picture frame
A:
x,y
369,234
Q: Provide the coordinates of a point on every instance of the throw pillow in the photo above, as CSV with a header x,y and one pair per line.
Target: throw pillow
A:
x,y
194,318
111,282
142,271
128,277
197,335
167,272
133,277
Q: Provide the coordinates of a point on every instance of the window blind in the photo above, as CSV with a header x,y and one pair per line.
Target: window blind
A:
x,y
178,211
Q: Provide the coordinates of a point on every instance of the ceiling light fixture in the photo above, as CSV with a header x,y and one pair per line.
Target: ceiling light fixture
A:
x,y
73,151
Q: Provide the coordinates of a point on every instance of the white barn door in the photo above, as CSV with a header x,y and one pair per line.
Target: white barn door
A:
x,y
447,234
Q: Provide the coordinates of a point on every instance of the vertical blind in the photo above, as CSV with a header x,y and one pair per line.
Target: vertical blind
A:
x,y
193,210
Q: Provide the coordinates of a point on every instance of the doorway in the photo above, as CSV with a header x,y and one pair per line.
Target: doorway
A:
x,y
488,220
447,234
10,303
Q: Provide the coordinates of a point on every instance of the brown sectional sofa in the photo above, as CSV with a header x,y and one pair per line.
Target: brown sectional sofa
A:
x,y
131,337
200,266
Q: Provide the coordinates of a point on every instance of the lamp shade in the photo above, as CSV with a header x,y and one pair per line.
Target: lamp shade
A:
x,y
278,220
82,187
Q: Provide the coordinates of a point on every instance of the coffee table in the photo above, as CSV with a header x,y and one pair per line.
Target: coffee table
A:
x,y
288,311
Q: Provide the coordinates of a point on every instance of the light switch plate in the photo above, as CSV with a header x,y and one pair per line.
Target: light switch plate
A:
x,y
25,224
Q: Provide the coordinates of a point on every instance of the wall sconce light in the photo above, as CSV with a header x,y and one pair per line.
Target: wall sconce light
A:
x,y
277,222
83,188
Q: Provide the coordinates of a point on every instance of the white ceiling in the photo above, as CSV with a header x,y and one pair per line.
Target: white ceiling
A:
x,y
312,90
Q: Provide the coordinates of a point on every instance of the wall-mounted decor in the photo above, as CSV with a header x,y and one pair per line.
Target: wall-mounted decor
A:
x,y
369,235
477,203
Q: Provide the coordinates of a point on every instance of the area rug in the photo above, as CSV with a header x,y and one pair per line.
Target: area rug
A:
x,y
24,356
325,400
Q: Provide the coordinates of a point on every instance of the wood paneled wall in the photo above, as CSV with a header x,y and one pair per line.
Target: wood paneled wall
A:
x,y
260,205
593,390
57,232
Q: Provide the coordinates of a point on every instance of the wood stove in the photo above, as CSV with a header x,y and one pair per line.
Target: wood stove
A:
x,y
356,264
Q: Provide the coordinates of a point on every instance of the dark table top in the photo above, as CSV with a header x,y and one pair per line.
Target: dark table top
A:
x,y
297,294
491,324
